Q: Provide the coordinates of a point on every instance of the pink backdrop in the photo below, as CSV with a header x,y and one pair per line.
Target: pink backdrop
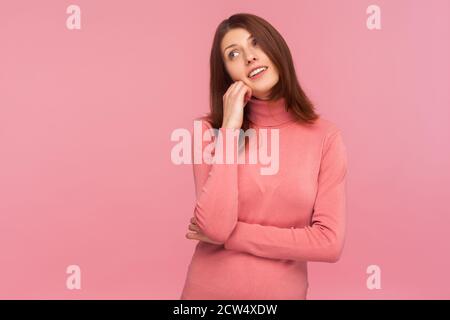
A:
x,y
86,115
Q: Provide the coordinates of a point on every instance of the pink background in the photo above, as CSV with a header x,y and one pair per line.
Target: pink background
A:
x,y
86,116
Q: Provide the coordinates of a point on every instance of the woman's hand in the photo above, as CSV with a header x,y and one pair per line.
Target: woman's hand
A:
x,y
198,234
234,101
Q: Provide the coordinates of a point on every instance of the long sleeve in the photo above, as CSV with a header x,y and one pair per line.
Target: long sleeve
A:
x,y
323,239
216,182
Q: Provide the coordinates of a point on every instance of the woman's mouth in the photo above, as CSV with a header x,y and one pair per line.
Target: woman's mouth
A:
x,y
257,73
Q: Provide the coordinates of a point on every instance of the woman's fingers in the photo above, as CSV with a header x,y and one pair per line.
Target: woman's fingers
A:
x,y
237,87
195,236
191,235
238,91
241,90
234,88
229,90
201,237
194,227
245,93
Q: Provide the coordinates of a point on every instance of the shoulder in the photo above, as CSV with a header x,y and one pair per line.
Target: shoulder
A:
x,y
323,129
326,134
326,127
332,140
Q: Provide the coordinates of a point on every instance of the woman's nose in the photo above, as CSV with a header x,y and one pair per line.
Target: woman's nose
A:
x,y
250,58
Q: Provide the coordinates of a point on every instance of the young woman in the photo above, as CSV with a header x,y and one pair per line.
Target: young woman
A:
x,y
257,232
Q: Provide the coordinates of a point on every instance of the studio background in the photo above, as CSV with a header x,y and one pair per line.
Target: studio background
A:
x,y
86,115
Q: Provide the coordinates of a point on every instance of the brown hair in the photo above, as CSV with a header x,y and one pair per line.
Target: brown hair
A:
x,y
274,46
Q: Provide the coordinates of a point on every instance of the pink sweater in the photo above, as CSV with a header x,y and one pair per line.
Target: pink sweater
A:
x,y
271,225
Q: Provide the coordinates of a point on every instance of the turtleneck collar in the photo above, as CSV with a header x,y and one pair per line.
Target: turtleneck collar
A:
x,y
269,113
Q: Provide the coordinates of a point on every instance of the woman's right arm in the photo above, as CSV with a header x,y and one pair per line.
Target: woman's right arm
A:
x,y
216,188
216,182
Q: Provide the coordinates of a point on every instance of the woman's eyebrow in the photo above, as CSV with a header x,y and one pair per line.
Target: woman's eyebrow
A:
x,y
233,45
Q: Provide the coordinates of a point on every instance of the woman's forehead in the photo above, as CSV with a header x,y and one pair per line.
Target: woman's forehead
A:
x,y
235,36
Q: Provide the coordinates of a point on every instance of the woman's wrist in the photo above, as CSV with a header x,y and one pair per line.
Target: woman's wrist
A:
x,y
230,126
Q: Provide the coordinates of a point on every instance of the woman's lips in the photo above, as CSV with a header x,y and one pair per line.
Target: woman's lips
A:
x,y
259,75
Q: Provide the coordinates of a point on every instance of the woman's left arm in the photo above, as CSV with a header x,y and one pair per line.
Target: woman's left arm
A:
x,y
323,239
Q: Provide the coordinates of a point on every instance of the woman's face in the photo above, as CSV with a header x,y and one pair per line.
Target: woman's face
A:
x,y
242,54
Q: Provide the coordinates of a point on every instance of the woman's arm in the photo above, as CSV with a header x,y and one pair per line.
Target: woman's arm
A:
x,y
323,240
216,186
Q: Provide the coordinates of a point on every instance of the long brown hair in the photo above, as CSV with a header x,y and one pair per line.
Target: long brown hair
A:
x,y
274,46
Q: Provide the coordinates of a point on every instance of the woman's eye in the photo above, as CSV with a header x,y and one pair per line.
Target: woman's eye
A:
x,y
231,54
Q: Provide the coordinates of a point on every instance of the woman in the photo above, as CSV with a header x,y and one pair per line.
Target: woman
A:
x,y
256,232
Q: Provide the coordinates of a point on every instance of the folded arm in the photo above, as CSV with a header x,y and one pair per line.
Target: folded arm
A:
x,y
323,239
